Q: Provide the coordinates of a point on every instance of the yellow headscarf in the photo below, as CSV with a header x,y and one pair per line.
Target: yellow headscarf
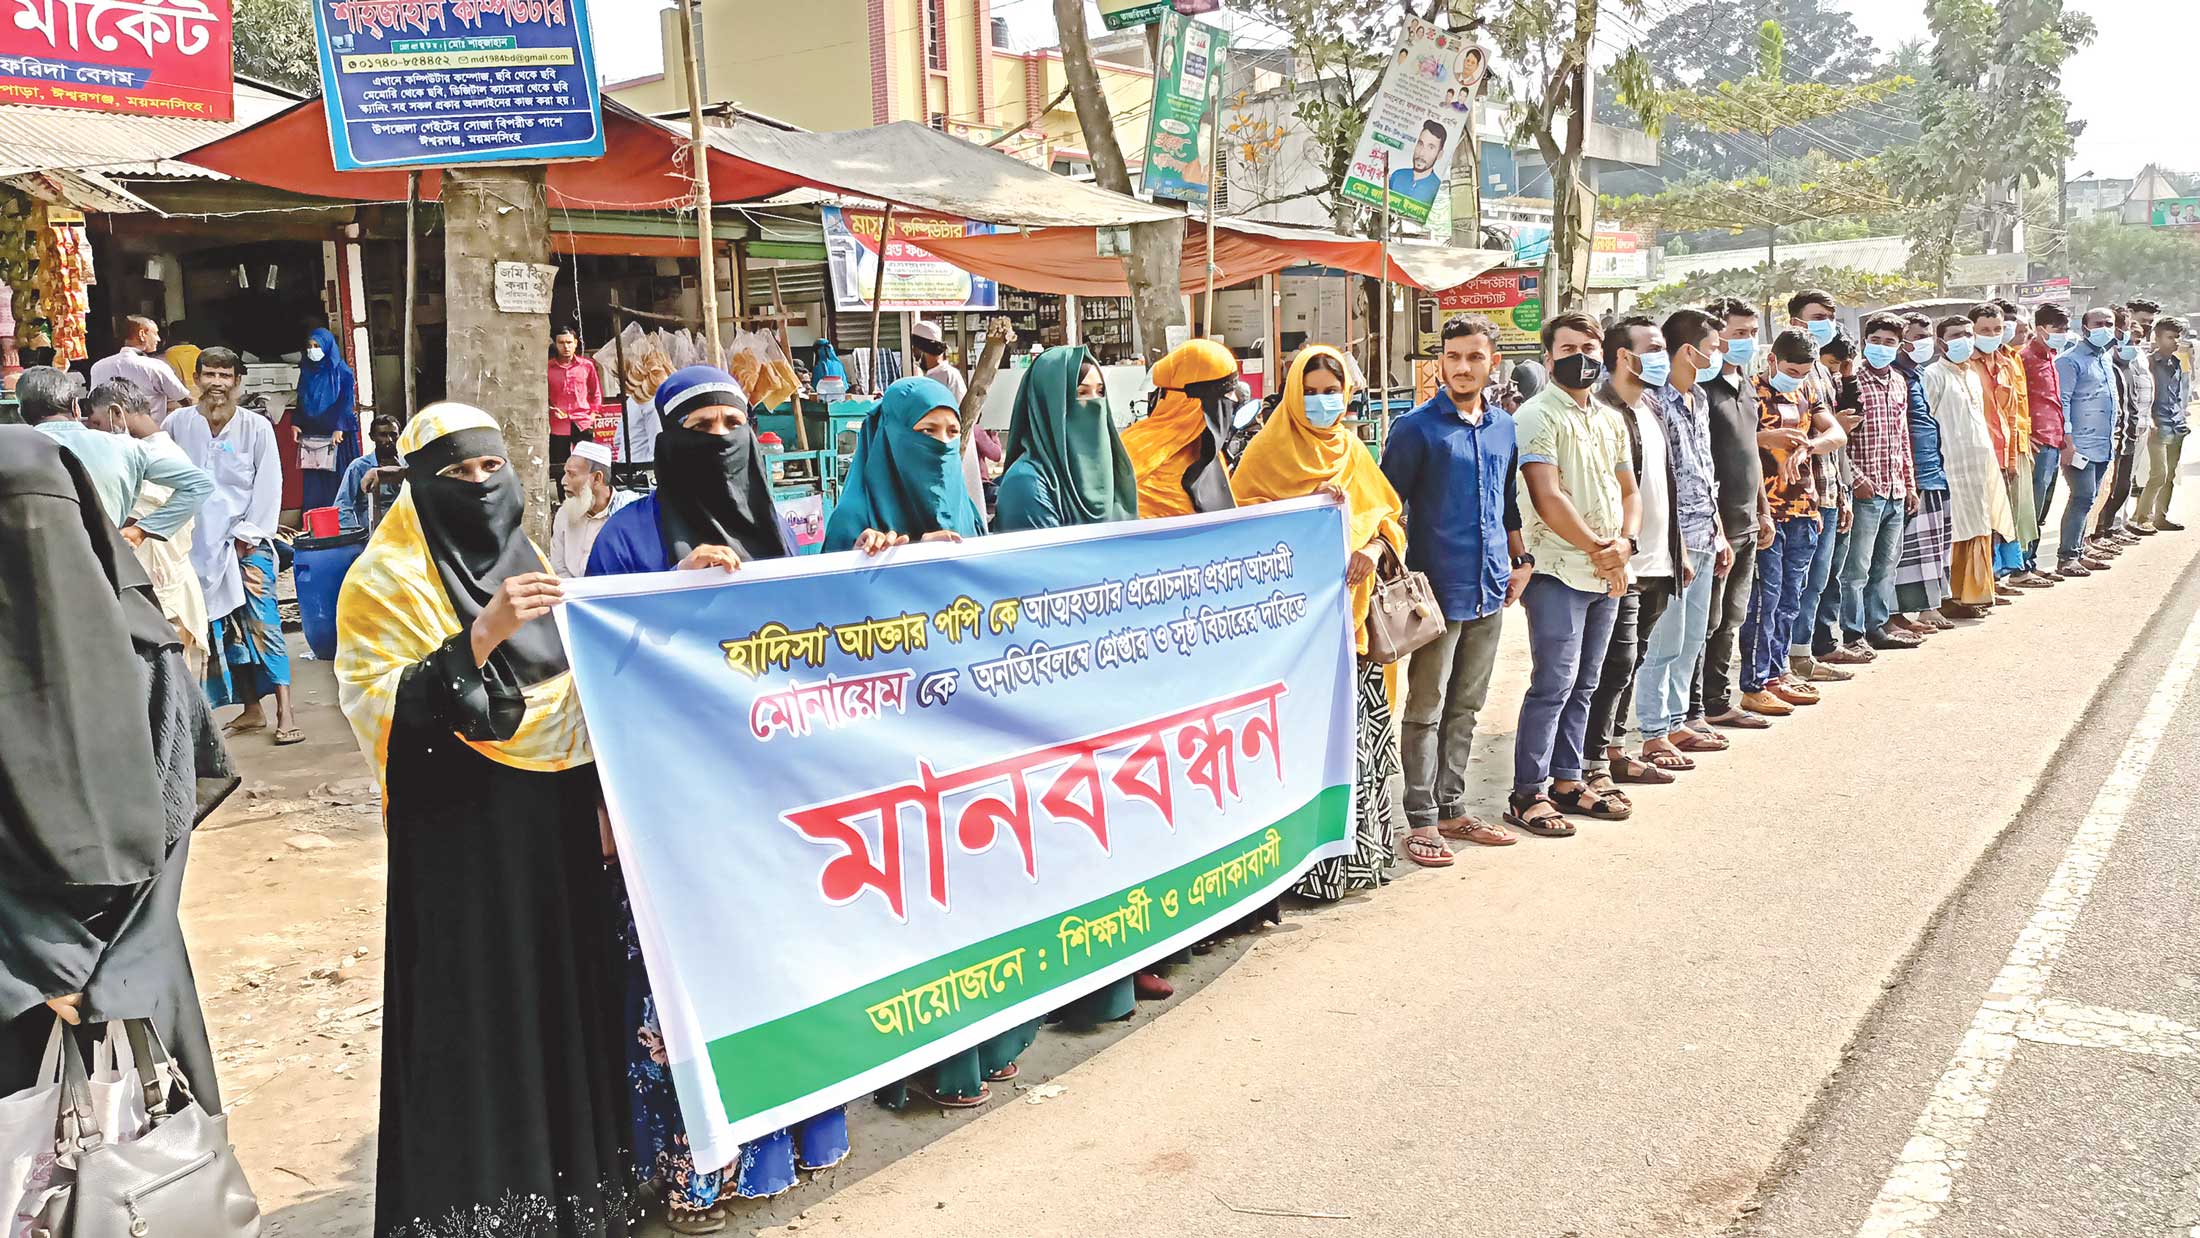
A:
x,y
1291,457
1164,444
393,612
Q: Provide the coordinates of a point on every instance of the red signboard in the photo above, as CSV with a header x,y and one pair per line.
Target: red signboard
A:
x,y
138,57
1510,297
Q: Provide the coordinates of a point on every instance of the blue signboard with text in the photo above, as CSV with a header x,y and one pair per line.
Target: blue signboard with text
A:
x,y
424,83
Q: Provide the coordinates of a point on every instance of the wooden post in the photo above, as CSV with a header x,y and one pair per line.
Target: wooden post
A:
x,y
1214,164
1382,323
699,161
779,307
412,293
1271,286
999,334
618,358
878,288
494,215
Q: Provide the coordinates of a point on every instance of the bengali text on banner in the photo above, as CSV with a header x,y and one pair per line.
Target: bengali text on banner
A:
x,y
871,812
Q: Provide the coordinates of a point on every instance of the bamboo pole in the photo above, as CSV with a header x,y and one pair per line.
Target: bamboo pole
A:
x,y
699,161
1214,163
412,293
1382,324
878,288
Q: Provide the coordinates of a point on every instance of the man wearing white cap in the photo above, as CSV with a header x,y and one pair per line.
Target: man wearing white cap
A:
x,y
931,354
589,502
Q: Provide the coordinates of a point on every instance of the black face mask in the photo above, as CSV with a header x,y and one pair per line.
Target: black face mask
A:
x,y
474,538
1205,483
1578,372
715,490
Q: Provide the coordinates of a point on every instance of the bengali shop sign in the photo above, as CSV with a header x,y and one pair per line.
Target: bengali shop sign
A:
x,y
155,58
1511,298
426,83
915,280
874,811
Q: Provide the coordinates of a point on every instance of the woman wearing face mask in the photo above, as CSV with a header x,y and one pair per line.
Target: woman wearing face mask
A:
x,y
712,509
1176,450
326,417
455,683
1304,450
906,480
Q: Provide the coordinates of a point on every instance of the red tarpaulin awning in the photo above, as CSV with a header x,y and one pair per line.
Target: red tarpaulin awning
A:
x,y
643,167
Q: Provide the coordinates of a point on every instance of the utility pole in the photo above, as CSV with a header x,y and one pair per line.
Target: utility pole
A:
x,y
699,167
1152,268
493,215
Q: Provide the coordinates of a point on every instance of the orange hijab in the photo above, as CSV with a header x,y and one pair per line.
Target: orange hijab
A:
x,y
1165,444
1291,457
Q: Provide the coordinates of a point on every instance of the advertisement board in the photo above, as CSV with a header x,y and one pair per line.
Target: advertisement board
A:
x,y
158,58
426,83
1510,297
1415,122
1179,126
1123,14
915,280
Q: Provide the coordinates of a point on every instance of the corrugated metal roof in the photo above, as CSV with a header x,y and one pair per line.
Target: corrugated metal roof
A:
x,y
41,138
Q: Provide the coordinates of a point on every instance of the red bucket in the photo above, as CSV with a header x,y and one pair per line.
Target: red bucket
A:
x,y
323,522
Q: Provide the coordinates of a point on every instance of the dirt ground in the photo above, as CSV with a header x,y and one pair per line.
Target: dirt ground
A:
x,y
283,912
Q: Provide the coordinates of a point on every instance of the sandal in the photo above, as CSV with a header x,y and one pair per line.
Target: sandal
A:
x,y
238,726
1003,1075
1480,833
1743,720
1627,769
1667,759
952,1102
289,735
1689,739
1428,852
1549,825
1587,801
711,1222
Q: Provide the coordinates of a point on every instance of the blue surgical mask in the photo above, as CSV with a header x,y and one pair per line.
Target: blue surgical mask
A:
x,y
1821,331
314,353
1713,365
1987,343
1921,351
1657,367
1880,356
1959,351
2099,337
1323,409
1782,381
1741,351
2129,352
2058,340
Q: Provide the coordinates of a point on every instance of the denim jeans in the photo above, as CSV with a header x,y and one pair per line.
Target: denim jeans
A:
x,y
1567,634
2046,466
1811,608
2083,481
1447,681
1716,672
1783,569
1669,653
1867,578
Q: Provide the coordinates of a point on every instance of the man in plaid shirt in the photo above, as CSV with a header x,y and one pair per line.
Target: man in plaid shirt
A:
x,y
1884,487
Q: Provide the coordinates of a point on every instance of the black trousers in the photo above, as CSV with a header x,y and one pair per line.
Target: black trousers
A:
x,y
2119,493
1613,703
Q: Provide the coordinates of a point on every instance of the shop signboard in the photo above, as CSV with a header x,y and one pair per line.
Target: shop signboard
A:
x,y
2176,213
428,83
1510,297
1416,121
915,280
1123,14
149,58
1982,270
1185,92
1617,260
2044,292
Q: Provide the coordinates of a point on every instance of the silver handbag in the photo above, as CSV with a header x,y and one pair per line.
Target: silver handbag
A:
x,y
179,1180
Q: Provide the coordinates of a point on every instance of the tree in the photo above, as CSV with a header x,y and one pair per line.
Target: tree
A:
x,y
1760,105
274,43
1339,49
1153,267
1548,44
1780,281
2119,261
1992,116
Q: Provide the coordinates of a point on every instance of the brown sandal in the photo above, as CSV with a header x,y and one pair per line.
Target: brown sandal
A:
x,y
1629,769
1587,801
1689,739
1428,852
1551,825
1669,760
1480,833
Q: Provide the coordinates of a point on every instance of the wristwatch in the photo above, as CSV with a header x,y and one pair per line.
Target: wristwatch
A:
x,y
1523,560
1633,547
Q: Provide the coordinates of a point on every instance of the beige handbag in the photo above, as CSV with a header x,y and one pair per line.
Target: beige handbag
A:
x,y
1403,615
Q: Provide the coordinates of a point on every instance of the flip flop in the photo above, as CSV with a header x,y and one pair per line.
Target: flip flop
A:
x,y
953,1102
1428,852
290,735
1689,739
232,727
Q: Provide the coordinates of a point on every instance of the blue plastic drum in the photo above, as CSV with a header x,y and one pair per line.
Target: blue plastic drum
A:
x,y
317,569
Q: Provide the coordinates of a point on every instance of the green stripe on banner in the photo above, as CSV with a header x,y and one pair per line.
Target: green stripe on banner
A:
x,y
813,1049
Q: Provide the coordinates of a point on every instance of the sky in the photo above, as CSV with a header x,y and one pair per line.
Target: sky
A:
x,y
2126,86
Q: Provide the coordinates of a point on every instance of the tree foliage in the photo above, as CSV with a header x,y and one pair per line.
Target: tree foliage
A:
x,y
1992,116
1775,283
274,43
1339,49
1817,189
2119,261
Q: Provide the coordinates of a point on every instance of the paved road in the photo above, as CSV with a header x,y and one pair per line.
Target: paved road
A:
x,y
2036,1072
1633,1032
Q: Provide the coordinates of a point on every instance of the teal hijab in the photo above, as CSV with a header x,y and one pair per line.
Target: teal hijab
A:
x,y
901,481
1066,464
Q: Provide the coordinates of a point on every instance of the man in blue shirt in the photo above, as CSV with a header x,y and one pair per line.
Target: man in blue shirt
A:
x,y
1453,461
2166,446
1421,181
118,465
2089,422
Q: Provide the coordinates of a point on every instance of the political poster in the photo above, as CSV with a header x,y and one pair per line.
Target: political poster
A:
x,y
1510,297
155,58
1179,126
915,280
1416,121
873,811
2181,213
427,83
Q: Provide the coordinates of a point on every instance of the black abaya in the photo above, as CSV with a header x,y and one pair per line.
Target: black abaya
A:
x,y
503,1086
